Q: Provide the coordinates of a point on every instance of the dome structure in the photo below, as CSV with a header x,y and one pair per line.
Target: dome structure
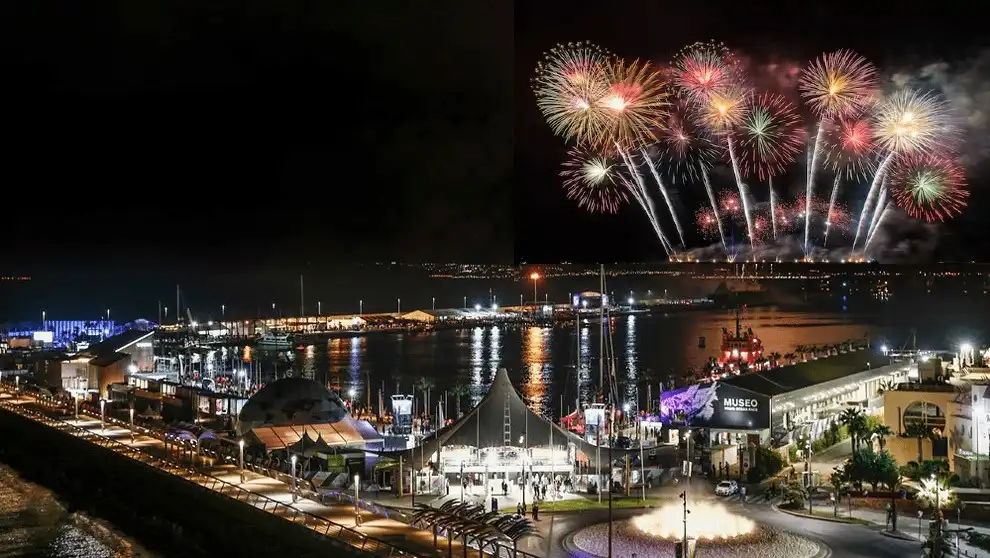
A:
x,y
291,402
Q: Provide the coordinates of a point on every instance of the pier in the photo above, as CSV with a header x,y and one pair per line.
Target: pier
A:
x,y
365,528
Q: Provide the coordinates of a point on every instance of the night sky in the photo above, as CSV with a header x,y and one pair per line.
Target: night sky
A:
x,y
250,134
897,37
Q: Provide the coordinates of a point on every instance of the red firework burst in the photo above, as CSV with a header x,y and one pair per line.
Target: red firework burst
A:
x,y
702,69
849,148
931,187
707,223
729,203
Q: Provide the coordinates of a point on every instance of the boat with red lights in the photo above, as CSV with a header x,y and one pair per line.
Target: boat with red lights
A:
x,y
741,351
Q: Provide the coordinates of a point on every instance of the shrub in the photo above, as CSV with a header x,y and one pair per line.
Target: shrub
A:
x,y
795,496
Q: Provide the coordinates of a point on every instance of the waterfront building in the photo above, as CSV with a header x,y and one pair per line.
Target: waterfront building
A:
x,y
89,374
922,414
500,440
781,405
303,418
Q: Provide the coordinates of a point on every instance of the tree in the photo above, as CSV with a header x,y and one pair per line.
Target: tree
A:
x,y
795,495
425,384
854,421
836,481
918,431
458,391
893,481
880,432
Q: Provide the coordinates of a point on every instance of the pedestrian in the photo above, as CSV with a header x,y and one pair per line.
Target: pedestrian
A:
x,y
494,504
519,509
536,511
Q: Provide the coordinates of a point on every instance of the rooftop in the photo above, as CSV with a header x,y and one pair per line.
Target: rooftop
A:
x,y
790,378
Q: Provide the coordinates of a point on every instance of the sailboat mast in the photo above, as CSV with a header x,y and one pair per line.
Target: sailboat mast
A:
x,y
601,329
302,298
577,358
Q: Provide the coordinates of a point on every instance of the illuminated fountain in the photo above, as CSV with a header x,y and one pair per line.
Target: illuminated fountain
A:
x,y
716,523
719,534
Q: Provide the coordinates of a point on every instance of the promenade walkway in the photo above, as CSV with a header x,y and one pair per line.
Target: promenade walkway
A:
x,y
374,534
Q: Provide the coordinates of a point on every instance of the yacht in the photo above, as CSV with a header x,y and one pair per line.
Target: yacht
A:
x,y
274,340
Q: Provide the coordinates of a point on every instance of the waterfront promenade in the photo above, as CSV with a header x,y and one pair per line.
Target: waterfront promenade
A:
x,y
374,534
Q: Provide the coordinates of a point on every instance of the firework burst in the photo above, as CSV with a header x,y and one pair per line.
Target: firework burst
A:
x,y
849,148
702,69
570,84
728,203
725,109
685,148
595,180
840,83
707,223
636,103
909,121
769,137
928,186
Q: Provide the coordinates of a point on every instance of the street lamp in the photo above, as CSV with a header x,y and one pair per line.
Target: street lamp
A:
x,y
434,303
103,423
76,399
357,500
319,308
360,307
240,461
223,311
293,479
535,277
398,305
43,320
132,424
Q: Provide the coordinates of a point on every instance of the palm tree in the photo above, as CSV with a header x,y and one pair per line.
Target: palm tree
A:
x,y
920,432
885,385
855,422
425,384
775,359
458,391
790,358
880,432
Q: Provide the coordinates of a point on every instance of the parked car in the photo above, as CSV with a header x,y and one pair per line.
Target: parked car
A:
x,y
726,488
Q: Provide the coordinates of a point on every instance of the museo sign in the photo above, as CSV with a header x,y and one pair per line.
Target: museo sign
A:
x,y
716,405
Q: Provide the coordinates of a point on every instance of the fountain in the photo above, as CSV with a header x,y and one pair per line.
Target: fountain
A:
x,y
719,534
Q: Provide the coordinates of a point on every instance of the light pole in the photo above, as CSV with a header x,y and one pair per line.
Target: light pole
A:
x,y
103,423
398,305
240,461
684,540
357,500
223,311
434,303
319,308
43,320
360,307
132,424
293,479
535,277
75,398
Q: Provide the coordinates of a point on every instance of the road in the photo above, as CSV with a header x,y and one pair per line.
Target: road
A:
x,y
844,540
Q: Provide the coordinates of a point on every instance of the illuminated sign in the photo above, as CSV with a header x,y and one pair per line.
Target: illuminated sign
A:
x,y
43,336
144,345
718,405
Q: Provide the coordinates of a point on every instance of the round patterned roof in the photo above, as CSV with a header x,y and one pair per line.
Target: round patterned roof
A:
x,y
291,401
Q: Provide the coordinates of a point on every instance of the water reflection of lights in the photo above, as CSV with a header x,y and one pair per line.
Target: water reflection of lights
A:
x,y
632,374
308,366
477,363
537,358
584,362
707,521
494,350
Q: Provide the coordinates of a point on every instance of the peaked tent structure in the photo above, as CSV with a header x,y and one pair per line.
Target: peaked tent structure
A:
x,y
501,419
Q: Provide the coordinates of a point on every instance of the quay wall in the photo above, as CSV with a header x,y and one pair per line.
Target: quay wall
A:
x,y
165,512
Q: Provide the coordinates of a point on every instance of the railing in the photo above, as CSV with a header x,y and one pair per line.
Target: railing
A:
x,y
320,525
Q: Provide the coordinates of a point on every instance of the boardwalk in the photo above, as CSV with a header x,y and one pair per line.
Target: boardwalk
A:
x,y
375,535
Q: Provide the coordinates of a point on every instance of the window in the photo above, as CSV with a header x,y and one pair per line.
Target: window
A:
x,y
927,414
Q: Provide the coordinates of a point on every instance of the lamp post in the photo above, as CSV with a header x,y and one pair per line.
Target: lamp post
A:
x,y
357,500
293,479
360,307
398,306
132,423
240,461
43,320
103,423
223,311
319,308
434,303
75,398
684,540
535,277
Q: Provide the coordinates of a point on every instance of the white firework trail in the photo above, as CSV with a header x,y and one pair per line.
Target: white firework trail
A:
x,y
831,207
742,189
811,183
666,196
773,207
869,196
711,199
639,192
881,206
883,215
